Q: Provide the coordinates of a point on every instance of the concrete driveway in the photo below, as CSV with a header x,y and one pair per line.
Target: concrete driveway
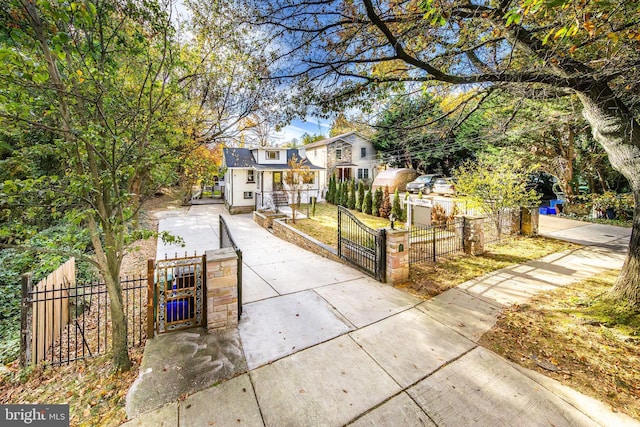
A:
x,y
321,344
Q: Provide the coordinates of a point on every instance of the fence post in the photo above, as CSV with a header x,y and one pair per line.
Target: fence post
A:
x,y
473,233
433,242
150,299
25,321
397,256
530,218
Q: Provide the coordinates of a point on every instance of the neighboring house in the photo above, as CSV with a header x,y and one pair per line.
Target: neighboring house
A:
x,y
255,178
349,155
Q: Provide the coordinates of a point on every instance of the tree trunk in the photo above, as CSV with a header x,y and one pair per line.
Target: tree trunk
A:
x,y
119,344
615,128
627,287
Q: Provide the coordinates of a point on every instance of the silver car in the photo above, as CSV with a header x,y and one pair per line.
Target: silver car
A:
x,y
444,186
423,183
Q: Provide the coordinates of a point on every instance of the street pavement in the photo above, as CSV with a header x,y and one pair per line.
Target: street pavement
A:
x,y
321,344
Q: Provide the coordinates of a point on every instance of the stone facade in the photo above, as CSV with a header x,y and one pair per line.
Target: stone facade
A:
x,y
346,156
397,256
222,289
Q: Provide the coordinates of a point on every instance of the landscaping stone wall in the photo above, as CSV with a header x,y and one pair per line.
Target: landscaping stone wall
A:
x,y
286,232
265,219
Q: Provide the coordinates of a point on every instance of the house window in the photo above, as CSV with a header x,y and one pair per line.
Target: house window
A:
x,y
363,173
338,153
248,194
250,176
273,155
363,152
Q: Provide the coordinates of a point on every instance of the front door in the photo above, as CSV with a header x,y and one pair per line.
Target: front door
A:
x,y
277,181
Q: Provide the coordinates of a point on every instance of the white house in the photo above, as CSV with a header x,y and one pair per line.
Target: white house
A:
x,y
349,155
255,178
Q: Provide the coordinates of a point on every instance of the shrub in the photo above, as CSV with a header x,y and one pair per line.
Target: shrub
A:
x,y
385,207
351,201
360,196
377,202
367,203
396,208
344,196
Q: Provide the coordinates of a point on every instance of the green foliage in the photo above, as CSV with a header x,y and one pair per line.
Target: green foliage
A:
x,y
622,204
385,206
351,200
496,183
396,208
360,196
344,194
367,202
13,264
376,202
413,133
331,191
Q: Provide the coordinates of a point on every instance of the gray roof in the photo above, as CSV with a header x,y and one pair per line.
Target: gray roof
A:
x,y
238,158
243,158
334,139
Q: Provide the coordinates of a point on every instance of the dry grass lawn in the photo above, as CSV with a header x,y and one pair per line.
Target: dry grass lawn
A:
x,y
579,337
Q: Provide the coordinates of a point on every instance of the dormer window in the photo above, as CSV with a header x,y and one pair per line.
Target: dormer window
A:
x,y
273,155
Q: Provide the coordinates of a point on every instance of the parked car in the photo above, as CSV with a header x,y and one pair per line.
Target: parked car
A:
x,y
444,186
423,183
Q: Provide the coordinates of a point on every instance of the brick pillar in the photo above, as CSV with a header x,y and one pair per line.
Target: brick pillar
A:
x,y
397,256
530,219
222,289
473,235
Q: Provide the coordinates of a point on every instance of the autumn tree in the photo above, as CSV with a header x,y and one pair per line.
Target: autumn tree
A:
x,y
344,53
199,166
296,179
496,183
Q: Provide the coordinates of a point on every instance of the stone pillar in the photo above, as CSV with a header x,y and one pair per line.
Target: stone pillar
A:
x,y
222,289
530,219
473,235
397,256
516,223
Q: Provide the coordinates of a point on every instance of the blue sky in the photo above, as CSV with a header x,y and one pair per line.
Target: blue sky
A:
x,y
298,127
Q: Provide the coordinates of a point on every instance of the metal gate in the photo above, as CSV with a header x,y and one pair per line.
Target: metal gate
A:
x,y
179,291
360,245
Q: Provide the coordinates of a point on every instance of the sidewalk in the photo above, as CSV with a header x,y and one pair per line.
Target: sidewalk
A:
x,y
325,345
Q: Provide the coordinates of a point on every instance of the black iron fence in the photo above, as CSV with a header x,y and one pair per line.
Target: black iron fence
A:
x,y
427,243
88,331
226,241
502,227
360,245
